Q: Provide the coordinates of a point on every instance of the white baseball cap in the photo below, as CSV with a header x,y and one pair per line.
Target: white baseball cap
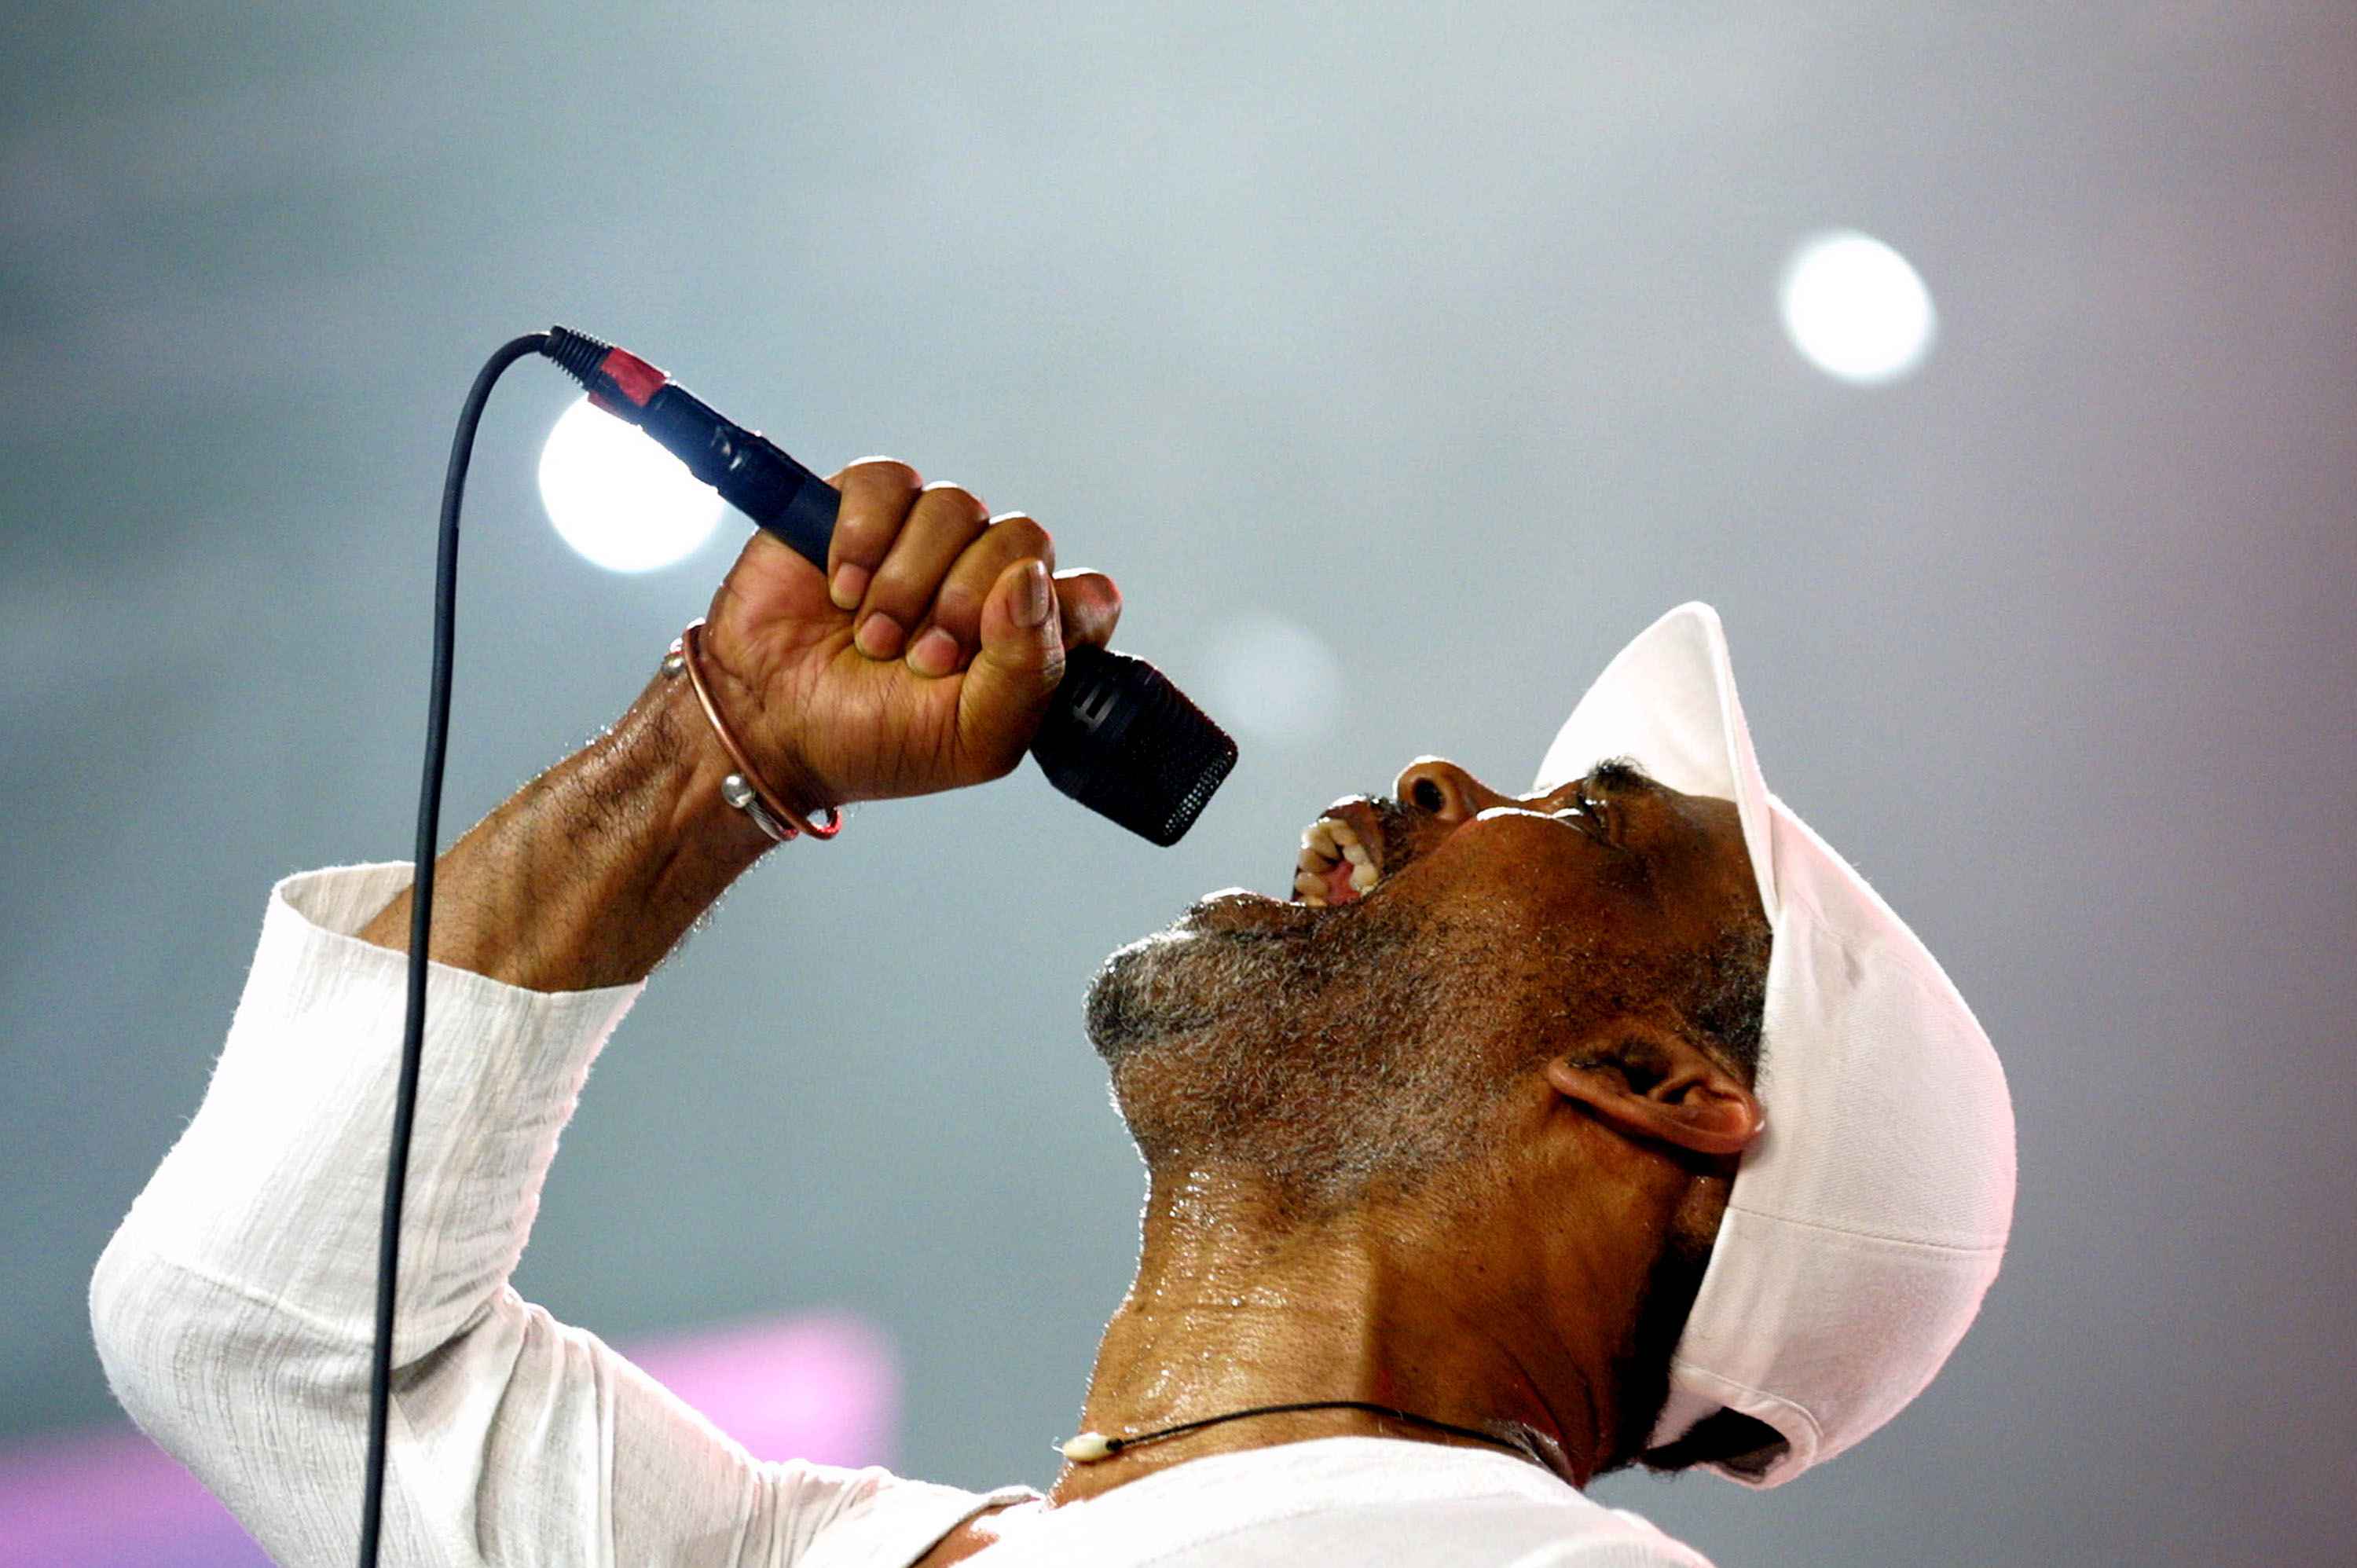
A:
x,y
1867,1221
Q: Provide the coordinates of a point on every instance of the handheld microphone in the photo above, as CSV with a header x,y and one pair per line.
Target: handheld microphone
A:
x,y
1118,737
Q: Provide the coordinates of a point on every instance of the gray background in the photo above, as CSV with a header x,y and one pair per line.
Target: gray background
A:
x,y
1446,332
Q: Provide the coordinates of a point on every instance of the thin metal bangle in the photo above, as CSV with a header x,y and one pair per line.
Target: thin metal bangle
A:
x,y
745,788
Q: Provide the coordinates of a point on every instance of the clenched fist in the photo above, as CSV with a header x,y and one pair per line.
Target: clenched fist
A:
x,y
924,659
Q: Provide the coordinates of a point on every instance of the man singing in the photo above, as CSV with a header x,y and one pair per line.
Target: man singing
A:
x,y
1537,1135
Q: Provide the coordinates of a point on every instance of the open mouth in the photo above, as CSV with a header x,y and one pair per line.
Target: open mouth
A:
x,y
1342,858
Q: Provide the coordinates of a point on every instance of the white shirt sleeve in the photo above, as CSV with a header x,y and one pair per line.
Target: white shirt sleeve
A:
x,y
233,1308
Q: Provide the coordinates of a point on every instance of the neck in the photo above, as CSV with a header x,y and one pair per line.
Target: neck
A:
x,y
1240,1303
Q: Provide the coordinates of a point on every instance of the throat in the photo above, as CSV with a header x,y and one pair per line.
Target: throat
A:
x,y
1242,1334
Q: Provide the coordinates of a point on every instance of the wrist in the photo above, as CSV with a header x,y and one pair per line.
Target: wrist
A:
x,y
771,780
588,874
703,827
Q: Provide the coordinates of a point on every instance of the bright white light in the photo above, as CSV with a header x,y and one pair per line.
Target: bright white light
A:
x,y
1855,308
620,500
1274,679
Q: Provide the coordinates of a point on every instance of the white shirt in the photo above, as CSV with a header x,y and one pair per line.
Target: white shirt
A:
x,y
234,1309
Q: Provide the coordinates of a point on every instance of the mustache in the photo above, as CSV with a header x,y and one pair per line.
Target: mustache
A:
x,y
1398,824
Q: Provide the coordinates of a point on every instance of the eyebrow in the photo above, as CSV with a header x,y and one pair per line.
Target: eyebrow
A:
x,y
1616,774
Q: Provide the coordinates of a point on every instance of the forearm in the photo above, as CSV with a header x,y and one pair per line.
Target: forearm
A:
x,y
587,876
232,1310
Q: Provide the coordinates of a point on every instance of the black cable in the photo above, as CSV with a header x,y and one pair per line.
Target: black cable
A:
x,y
421,926
1113,1445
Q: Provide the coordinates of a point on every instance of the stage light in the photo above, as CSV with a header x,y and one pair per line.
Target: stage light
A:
x,y
1855,308
1273,680
621,501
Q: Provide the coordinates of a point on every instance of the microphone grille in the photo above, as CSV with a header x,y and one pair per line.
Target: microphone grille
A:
x,y
1128,745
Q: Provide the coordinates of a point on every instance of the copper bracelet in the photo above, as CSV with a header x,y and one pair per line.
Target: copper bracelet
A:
x,y
745,788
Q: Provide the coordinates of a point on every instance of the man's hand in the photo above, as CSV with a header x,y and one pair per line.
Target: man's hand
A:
x,y
923,661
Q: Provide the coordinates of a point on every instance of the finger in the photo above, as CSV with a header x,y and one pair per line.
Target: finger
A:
x,y
954,625
1089,605
945,520
877,493
1007,688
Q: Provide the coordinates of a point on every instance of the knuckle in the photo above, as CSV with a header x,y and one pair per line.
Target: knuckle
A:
x,y
875,498
885,474
1093,588
1091,606
1023,537
954,500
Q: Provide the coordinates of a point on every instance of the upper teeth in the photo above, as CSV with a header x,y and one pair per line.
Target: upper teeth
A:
x,y
1325,843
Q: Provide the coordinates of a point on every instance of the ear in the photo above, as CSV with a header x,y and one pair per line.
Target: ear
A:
x,y
1651,1082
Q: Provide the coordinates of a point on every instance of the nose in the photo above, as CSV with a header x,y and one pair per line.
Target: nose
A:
x,y
1437,788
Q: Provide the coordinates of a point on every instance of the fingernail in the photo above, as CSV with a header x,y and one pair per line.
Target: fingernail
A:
x,y
934,654
1031,601
850,585
879,637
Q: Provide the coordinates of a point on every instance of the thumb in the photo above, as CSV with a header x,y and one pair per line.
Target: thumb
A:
x,y
1007,687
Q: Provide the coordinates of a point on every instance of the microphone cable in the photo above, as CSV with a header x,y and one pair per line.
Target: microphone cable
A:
x,y
420,928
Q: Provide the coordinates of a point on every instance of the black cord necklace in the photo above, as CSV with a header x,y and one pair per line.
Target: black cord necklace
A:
x,y
1089,1447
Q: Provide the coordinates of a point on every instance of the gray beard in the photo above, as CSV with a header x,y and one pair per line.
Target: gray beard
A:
x,y
1324,1056
1365,1048
1185,982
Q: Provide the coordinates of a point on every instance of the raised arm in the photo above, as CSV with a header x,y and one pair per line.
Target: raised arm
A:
x,y
923,663
232,1310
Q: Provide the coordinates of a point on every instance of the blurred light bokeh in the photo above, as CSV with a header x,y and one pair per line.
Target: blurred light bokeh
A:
x,y
1856,309
618,499
1443,340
